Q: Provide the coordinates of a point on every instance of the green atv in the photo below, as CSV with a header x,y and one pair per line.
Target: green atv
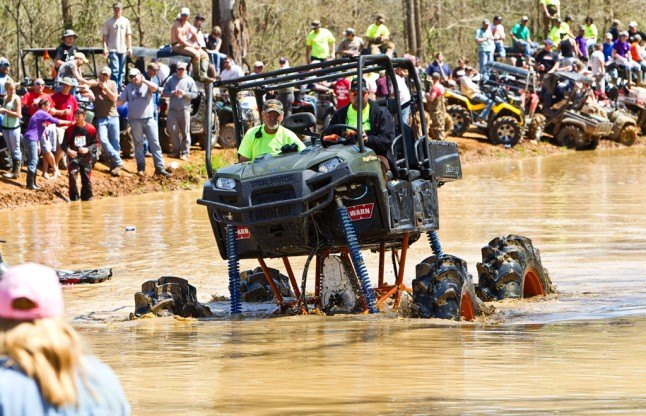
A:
x,y
331,201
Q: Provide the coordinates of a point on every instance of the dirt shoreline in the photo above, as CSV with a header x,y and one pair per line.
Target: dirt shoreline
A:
x,y
474,149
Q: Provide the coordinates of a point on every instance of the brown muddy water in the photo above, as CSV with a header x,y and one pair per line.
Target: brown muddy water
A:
x,y
582,351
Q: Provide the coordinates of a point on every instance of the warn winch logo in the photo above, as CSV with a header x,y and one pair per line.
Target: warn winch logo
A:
x,y
360,212
242,233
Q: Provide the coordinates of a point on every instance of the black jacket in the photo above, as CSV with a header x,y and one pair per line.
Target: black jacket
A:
x,y
382,130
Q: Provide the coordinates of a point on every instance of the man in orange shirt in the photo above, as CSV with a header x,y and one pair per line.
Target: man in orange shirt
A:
x,y
637,53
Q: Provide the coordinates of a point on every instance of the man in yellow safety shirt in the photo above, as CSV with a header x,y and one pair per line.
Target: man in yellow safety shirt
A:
x,y
378,37
319,45
270,137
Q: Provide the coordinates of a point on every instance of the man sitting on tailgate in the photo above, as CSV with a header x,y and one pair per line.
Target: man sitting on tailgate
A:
x,y
270,137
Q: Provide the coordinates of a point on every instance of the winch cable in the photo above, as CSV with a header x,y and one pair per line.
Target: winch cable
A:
x,y
234,271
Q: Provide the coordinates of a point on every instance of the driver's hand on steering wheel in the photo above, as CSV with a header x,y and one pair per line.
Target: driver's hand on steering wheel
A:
x,y
331,138
351,134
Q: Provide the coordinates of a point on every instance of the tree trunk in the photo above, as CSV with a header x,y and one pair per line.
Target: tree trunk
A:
x,y
67,14
231,16
419,47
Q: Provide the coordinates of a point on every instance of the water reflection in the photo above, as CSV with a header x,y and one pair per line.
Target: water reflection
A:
x,y
581,351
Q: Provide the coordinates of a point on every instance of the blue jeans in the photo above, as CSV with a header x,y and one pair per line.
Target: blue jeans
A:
x,y
481,98
147,127
216,59
32,154
484,57
117,63
500,48
12,139
524,47
108,129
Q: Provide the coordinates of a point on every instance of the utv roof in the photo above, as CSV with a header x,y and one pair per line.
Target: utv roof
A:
x,y
320,71
52,51
510,69
158,53
573,76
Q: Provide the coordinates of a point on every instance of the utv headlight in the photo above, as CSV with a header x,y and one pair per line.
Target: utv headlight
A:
x,y
329,165
225,183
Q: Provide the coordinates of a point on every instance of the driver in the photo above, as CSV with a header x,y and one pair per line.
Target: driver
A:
x,y
269,137
377,124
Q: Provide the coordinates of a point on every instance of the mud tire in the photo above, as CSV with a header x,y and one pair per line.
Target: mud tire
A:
x,y
536,127
127,144
164,137
627,135
227,138
461,119
569,135
505,130
511,268
169,295
444,289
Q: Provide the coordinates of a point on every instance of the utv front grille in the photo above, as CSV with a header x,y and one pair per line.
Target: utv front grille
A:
x,y
273,195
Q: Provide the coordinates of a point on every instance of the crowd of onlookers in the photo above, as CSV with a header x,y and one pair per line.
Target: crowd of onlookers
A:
x,y
56,128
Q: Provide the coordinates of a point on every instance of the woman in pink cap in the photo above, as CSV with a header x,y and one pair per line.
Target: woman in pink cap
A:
x,y
43,368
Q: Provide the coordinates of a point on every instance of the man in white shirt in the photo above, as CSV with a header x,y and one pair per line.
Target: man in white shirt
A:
x,y
472,91
117,43
598,66
404,93
499,37
230,70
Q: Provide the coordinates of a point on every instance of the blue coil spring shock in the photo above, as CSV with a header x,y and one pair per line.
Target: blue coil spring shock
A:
x,y
357,258
234,273
434,239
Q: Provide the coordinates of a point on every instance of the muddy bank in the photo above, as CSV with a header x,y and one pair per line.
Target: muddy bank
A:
x,y
473,148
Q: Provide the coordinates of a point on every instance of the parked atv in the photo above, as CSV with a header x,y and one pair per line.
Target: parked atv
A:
x,y
506,121
331,201
634,99
564,95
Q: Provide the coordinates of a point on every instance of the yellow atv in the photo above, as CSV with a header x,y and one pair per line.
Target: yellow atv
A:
x,y
505,123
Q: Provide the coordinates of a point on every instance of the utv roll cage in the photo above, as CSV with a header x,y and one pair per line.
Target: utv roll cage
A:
x,y
411,154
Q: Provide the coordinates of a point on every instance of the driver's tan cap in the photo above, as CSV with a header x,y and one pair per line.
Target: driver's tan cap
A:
x,y
273,105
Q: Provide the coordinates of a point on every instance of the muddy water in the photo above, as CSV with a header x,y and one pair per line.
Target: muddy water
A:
x,y
579,352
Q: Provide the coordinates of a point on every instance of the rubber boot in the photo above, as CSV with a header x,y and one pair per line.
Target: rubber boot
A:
x,y
195,65
15,170
204,71
9,175
31,181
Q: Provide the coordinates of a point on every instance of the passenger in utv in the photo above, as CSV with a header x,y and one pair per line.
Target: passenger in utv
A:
x,y
378,125
269,137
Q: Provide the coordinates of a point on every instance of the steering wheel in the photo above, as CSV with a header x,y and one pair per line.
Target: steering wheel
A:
x,y
341,128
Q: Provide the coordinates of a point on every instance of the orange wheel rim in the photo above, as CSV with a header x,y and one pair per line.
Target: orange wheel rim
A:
x,y
466,308
532,284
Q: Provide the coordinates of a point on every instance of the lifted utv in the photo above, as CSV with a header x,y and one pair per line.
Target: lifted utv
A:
x,y
329,202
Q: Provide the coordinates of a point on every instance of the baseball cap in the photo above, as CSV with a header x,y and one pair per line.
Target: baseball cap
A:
x,y
282,60
258,64
117,5
524,19
548,42
106,70
69,81
39,81
273,105
624,33
81,56
435,75
486,22
380,17
496,17
4,61
632,24
30,291
616,22
349,30
185,11
69,32
354,86
200,17
182,64
315,23
133,72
